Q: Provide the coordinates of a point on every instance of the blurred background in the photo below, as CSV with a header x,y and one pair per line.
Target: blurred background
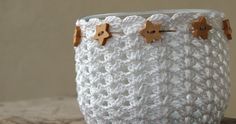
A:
x,y
36,52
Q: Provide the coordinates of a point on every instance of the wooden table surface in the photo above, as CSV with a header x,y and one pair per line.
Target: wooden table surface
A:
x,y
63,110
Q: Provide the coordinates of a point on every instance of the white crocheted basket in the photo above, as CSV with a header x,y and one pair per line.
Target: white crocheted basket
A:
x,y
179,79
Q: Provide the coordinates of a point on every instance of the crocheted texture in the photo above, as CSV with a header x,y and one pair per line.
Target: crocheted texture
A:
x,y
178,80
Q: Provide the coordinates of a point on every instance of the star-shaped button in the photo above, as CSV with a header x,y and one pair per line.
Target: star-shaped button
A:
x,y
77,36
151,32
201,28
102,33
227,29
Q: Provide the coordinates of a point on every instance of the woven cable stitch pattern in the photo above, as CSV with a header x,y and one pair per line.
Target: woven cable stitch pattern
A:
x,y
180,79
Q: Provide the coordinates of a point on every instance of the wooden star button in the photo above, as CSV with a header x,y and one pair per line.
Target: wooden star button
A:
x,y
102,33
77,36
151,32
201,28
227,29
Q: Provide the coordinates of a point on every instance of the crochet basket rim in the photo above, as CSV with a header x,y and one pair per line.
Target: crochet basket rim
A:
x,y
148,13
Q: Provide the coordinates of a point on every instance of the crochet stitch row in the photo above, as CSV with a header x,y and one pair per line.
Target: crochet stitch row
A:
x,y
152,32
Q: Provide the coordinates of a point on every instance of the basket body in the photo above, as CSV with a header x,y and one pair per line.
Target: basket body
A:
x,y
179,79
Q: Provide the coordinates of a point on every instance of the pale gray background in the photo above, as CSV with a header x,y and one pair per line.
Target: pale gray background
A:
x,y
36,53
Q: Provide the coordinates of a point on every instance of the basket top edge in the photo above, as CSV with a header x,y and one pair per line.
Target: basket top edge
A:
x,y
148,13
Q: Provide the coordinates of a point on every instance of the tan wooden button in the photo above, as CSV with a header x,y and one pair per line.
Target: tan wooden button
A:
x,y
227,29
77,36
102,33
151,32
201,28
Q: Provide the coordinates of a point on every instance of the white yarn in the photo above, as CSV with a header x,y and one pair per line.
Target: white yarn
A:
x,y
178,80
